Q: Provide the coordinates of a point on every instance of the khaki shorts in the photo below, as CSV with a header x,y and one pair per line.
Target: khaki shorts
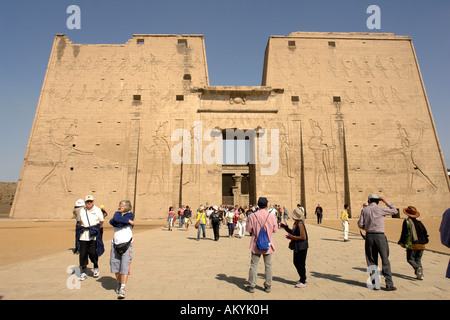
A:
x,y
121,263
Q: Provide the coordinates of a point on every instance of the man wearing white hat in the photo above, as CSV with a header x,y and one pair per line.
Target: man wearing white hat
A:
x,y
372,221
89,217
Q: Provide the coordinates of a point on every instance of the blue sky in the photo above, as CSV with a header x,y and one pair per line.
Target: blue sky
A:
x,y
236,34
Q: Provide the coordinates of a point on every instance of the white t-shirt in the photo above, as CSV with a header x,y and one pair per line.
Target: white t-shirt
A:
x,y
230,215
122,235
90,218
273,211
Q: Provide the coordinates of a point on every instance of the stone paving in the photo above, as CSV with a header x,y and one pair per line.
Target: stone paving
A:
x,y
173,265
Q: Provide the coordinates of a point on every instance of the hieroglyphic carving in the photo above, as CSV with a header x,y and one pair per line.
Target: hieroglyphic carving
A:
x,y
140,66
64,143
158,157
285,151
190,170
380,67
318,162
394,69
412,168
322,164
238,100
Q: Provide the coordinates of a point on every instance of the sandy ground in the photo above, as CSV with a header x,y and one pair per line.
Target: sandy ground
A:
x,y
22,240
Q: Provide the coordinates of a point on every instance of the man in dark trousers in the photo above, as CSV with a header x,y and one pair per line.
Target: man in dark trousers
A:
x,y
319,213
372,221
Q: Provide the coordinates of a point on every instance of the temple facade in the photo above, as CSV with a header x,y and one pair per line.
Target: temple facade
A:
x,y
338,116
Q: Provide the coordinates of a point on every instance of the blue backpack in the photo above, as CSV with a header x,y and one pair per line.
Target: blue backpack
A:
x,y
263,242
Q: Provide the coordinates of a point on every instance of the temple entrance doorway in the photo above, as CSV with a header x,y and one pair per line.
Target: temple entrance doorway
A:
x,y
238,173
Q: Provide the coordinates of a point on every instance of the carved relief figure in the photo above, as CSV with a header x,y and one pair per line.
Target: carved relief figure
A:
x,y
380,67
412,168
285,151
322,163
393,68
66,148
158,155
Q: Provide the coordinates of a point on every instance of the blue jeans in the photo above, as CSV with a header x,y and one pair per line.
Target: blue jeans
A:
x,y
230,229
201,227
170,222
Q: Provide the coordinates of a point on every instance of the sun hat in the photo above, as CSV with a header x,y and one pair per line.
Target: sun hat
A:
x,y
411,212
89,198
373,196
297,215
79,203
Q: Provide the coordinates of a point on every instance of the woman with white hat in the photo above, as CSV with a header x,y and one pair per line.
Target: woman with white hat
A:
x,y
299,245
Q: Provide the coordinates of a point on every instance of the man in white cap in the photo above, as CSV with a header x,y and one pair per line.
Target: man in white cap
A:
x,y
90,216
372,221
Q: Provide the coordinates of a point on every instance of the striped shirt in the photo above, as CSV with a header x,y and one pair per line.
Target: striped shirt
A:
x,y
372,217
